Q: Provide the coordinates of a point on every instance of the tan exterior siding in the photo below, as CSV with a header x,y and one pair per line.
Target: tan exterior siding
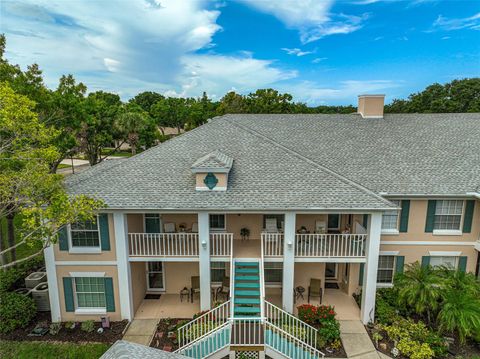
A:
x,y
139,283
135,223
110,271
102,256
178,275
305,271
254,222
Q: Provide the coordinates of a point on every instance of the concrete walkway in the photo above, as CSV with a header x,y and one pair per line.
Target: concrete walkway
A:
x,y
141,331
356,341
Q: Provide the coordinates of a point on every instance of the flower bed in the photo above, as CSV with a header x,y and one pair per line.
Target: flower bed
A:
x,y
64,334
323,319
165,337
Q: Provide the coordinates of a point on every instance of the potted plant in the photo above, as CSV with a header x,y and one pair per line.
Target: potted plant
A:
x,y
245,233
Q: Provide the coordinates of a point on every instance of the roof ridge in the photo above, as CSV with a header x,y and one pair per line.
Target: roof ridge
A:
x,y
302,157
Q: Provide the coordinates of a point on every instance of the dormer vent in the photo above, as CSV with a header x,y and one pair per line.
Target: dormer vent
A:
x,y
211,171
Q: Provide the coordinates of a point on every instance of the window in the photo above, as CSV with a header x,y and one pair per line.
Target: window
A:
x,y
90,292
386,269
390,218
155,276
333,221
279,217
217,271
217,221
273,272
331,271
448,215
152,223
438,261
85,234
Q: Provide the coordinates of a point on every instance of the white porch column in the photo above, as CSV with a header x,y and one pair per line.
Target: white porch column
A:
x,y
288,261
372,252
123,265
204,259
52,281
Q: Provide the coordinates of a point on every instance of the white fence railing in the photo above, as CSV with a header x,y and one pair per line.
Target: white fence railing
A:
x,y
203,325
221,244
163,244
330,245
272,244
247,332
287,322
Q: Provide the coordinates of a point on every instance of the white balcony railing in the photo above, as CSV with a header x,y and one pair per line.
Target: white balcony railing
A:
x,y
330,245
272,244
163,244
221,244
317,245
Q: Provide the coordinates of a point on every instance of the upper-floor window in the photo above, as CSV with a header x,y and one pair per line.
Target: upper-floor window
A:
x,y
448,215
85,234
386,269
390,219
217,222
334,222
152,223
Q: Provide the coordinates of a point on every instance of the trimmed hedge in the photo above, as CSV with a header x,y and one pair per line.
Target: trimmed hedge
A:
x,y
16,311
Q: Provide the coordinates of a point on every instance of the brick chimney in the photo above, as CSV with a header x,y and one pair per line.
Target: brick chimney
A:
x,y
371,106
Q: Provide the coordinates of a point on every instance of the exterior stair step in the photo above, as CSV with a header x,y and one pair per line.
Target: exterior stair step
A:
x,y
246,264
247,310
247,301
246,270
247,285
247,293
248,277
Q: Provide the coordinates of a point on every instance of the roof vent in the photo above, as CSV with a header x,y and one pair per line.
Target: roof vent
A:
x,y
211,171
371,106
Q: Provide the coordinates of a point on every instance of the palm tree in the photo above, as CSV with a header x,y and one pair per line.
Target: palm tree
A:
x,y
130,124
460,281
460,313
419,287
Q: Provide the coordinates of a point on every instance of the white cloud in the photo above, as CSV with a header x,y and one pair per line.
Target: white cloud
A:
x,y
128,46
311,18
297,52
319,59
471,22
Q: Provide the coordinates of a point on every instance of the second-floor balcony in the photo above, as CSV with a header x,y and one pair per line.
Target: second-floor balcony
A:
x,y
317,245
181,244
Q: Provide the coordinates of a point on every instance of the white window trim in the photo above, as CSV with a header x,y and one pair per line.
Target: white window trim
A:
x,y
390,232
156,290
336,273
160,222
85,250
225,270
394,231
218,230
452,232
394,254
456,259
86,311
445,254
273,284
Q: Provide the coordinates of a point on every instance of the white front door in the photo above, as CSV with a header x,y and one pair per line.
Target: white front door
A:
x,y
155,276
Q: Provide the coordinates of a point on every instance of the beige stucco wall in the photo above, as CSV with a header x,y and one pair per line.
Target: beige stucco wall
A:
x,y
102,256
139,283
135,223
110,271
305,271
371,106
221,177
254,222
178,274
188,219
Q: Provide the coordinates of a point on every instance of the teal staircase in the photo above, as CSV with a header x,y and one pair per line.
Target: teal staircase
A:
x,y
246,294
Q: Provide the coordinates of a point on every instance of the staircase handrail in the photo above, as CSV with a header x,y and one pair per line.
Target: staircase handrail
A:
x,y
232,280
199,339
294,339
262,282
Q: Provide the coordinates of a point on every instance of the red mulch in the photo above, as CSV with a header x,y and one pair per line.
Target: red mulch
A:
x,y
111,335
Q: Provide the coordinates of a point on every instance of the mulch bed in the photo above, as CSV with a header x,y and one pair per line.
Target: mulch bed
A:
x,y
339,353
468,350
161,340
111,335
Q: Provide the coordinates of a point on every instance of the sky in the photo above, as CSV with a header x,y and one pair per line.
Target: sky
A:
x,y
321,52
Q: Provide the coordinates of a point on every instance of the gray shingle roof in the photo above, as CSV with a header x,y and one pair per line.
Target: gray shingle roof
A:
x,y
212,161
124,349
298,162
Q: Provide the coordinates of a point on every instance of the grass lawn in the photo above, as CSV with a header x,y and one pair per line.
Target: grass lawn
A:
x,y
63,165
32,350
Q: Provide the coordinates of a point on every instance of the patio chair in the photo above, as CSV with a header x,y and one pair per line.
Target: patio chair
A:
x,y
320,227
169,228
195,281
315,289
271,225
195,227
224,289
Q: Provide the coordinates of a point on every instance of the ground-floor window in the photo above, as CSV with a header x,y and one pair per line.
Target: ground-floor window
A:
x,y
155,276
217,271
273,272
445,261
386,269
90,292
330,271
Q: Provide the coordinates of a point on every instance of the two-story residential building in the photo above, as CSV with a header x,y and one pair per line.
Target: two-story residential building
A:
x,y
340,202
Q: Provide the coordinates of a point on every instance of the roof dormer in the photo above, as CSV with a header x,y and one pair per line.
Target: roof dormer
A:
x,y
211,171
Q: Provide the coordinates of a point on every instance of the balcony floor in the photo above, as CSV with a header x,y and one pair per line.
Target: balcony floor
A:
x,y
168,306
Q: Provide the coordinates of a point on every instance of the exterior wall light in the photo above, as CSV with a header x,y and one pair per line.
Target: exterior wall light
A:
x,y
204,244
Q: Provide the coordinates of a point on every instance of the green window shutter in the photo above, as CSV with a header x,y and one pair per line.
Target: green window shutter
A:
x,y
68,293
63,238
404,215
467,220
430,221
152,224
462,263
109,297
399,264
365,221
360,273
425,261
104,231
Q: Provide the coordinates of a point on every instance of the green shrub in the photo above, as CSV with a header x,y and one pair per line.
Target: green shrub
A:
x,y
308,313
10,278
297,332
15,311
197,330
414,349
330,331
54,328
88,326
384,312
